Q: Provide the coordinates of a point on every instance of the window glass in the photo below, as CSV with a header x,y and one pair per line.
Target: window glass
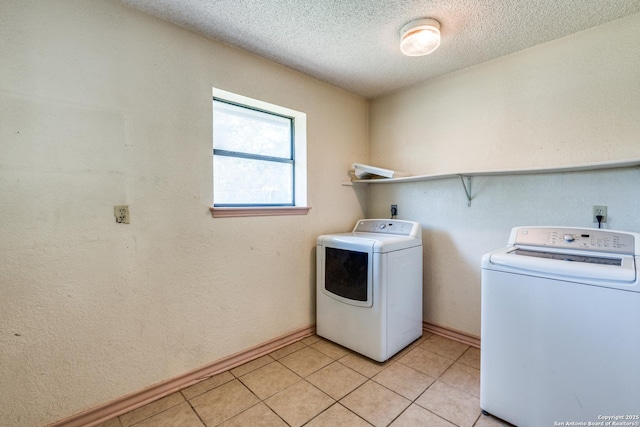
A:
x,y
241,129
252,182
259,153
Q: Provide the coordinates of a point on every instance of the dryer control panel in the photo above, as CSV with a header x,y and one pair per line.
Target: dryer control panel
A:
x,y
588,239
389,226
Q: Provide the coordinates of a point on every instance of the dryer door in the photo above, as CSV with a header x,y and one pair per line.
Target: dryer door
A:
x,y
347,273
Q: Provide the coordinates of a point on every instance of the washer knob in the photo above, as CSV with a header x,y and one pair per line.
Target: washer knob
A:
x,y
382,226
569,238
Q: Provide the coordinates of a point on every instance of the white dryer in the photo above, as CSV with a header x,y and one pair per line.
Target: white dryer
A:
x,y
369,287
561,328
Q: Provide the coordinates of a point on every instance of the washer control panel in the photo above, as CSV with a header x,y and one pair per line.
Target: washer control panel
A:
x,y
575,238
389,226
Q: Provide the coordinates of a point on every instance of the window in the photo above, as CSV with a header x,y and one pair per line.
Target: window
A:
x,y
259,157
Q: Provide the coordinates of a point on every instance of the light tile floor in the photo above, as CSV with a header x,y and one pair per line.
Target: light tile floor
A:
x,y
314,382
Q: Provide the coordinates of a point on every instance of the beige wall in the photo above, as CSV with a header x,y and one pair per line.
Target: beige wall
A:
x,y
101,105
568,102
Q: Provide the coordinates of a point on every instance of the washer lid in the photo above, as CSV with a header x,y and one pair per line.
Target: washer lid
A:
x,y
589,267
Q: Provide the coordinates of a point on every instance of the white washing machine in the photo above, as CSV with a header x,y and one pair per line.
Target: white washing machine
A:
x,y
561,328
369,287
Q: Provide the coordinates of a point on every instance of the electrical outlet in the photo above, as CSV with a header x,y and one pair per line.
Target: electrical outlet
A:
x,y
600,210
394,211
122,214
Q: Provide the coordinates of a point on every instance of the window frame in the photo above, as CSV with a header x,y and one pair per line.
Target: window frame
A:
x,y
298,159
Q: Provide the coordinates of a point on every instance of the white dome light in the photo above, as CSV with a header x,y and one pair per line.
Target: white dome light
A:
x,y
420,37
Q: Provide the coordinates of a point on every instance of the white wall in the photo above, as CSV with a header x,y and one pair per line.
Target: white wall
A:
x,y
101,105
569,102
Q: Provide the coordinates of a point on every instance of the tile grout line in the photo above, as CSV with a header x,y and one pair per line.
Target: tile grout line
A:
x,y
414,401
371,378
390,362
263,401
333,360
157,413
336,402
194,410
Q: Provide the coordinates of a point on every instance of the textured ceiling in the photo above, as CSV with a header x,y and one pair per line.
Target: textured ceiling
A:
x,y
354,44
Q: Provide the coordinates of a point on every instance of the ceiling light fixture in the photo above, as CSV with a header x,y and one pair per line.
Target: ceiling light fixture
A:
x,y
420,37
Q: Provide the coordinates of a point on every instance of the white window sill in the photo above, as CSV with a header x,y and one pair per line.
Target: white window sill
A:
x,y
260,211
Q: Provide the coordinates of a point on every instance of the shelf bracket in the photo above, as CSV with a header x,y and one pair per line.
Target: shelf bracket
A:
x,y
467,187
